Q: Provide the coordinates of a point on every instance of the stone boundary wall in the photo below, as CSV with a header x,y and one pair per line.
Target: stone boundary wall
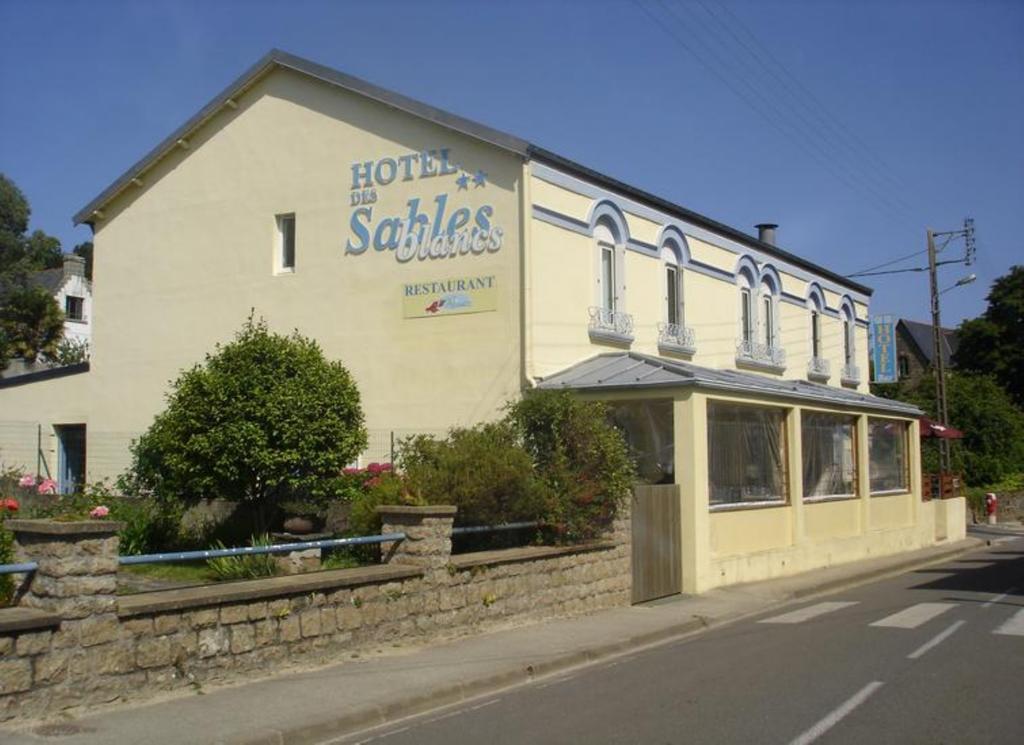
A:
x,y
73,643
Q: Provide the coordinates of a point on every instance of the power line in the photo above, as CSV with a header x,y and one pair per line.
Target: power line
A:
x,y
778,121
885,169
821,127
864,272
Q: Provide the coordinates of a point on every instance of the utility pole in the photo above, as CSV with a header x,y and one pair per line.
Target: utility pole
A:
x,y
940,364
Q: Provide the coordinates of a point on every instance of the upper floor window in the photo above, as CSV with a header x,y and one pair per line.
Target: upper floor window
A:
x,y
848,355
673,285
74,308
747,314
607,280
816,333
768,320
608,321
285,260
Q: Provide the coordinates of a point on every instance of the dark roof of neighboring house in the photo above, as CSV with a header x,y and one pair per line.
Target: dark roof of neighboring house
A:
x,y
278,59
920,335
632,371
49,279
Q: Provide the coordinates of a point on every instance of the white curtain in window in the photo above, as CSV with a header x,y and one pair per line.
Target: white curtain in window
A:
x,y
746,458
887,455
829,462
647,426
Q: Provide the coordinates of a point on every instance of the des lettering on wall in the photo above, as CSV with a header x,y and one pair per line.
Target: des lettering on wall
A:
x,y
430,227
449,297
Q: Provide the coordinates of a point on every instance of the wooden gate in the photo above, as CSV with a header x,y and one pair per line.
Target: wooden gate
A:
x,y
657,560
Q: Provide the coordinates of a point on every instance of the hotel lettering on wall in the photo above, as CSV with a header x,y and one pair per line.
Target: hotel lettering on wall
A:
x,y
449,297
430,226
883,349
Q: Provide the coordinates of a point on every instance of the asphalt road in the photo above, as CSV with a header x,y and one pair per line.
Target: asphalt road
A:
x,y
933,656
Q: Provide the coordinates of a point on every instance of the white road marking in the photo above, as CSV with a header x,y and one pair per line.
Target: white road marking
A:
x,y
915,615
837,714
937,640
811,611
1014,626
998,598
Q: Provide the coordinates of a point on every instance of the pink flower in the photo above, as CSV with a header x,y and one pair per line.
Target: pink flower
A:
x,y
47,486
99,511
351,471
27,481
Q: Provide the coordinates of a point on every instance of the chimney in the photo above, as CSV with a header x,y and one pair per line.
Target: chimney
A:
x,y
74,266
766,232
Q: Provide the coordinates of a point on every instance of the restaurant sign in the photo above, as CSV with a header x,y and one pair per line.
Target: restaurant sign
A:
x,y
448,297
427,227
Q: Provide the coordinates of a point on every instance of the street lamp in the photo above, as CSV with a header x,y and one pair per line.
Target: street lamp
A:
x,y
960,283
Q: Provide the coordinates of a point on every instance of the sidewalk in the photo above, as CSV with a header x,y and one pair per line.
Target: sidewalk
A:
x,y
311,706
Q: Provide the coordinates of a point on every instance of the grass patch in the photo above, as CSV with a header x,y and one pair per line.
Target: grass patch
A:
x,y
174,571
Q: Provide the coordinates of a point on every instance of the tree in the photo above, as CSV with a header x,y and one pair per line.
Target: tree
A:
x,y
32,322
994,343
21,253
265,419
85,251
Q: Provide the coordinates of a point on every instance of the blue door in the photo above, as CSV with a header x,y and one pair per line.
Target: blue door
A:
x,y
70,457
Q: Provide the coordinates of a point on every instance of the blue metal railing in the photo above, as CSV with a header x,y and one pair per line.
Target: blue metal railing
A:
x,y
27,568
279,548
489,528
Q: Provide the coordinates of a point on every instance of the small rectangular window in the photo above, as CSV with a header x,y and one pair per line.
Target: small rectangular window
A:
x,y
74,308
286,243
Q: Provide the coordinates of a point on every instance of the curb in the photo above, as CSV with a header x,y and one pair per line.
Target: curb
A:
x,y
376,716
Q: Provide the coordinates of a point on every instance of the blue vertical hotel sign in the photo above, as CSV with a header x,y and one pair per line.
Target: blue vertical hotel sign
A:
x,y
883,349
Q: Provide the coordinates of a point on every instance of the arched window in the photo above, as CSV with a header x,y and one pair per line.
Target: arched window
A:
x,y
817,365
748,313
607,272
768,300
674,294
851,372
608,320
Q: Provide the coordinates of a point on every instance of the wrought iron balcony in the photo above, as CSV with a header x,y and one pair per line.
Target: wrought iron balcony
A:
x,y
755,354
850,375
611,326
818,368
672,337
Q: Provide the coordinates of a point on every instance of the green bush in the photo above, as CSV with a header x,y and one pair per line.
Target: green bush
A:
x,y
244,566
266,419
482,470
581,458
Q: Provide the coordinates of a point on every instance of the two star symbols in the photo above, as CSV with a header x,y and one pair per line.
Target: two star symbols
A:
x,y
479,179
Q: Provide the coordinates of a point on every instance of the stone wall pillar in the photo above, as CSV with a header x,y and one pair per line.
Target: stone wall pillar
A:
x,y
77,575
428,531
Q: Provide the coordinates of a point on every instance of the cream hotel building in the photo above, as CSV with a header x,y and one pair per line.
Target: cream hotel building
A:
x,y
450,267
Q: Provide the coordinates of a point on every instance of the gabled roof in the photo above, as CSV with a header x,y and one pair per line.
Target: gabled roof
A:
x,y
277,59
632,371
920,335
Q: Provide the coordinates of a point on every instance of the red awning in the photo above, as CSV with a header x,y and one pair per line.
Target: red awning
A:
x,y
934,429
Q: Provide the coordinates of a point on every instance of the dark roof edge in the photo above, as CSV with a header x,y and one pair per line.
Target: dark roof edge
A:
x,y
39,375
554,159
278,58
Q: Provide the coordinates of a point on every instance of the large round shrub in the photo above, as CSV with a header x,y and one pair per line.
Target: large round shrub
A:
x,y
264,420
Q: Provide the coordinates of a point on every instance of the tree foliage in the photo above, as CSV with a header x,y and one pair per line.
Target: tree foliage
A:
x,y
32,322
265,419
85,251
993,344
20,252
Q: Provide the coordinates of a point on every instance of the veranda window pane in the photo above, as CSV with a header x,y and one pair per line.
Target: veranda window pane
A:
x,y
647,426
746,454
887,455
830,462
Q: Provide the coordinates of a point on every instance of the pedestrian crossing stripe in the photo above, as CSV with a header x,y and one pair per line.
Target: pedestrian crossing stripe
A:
x,y
914,616
1013,626
811,611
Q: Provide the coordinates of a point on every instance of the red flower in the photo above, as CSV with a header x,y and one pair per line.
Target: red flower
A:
x,y
10,505
351,471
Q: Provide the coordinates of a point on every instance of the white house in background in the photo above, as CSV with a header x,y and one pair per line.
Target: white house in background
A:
x,y
73,293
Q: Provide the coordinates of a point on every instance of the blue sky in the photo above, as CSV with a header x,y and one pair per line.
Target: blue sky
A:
x,y
854,125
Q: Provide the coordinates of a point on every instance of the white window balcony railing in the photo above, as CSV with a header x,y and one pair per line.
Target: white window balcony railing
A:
x,y
850,375
673,337
758,355
819,369
610,326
